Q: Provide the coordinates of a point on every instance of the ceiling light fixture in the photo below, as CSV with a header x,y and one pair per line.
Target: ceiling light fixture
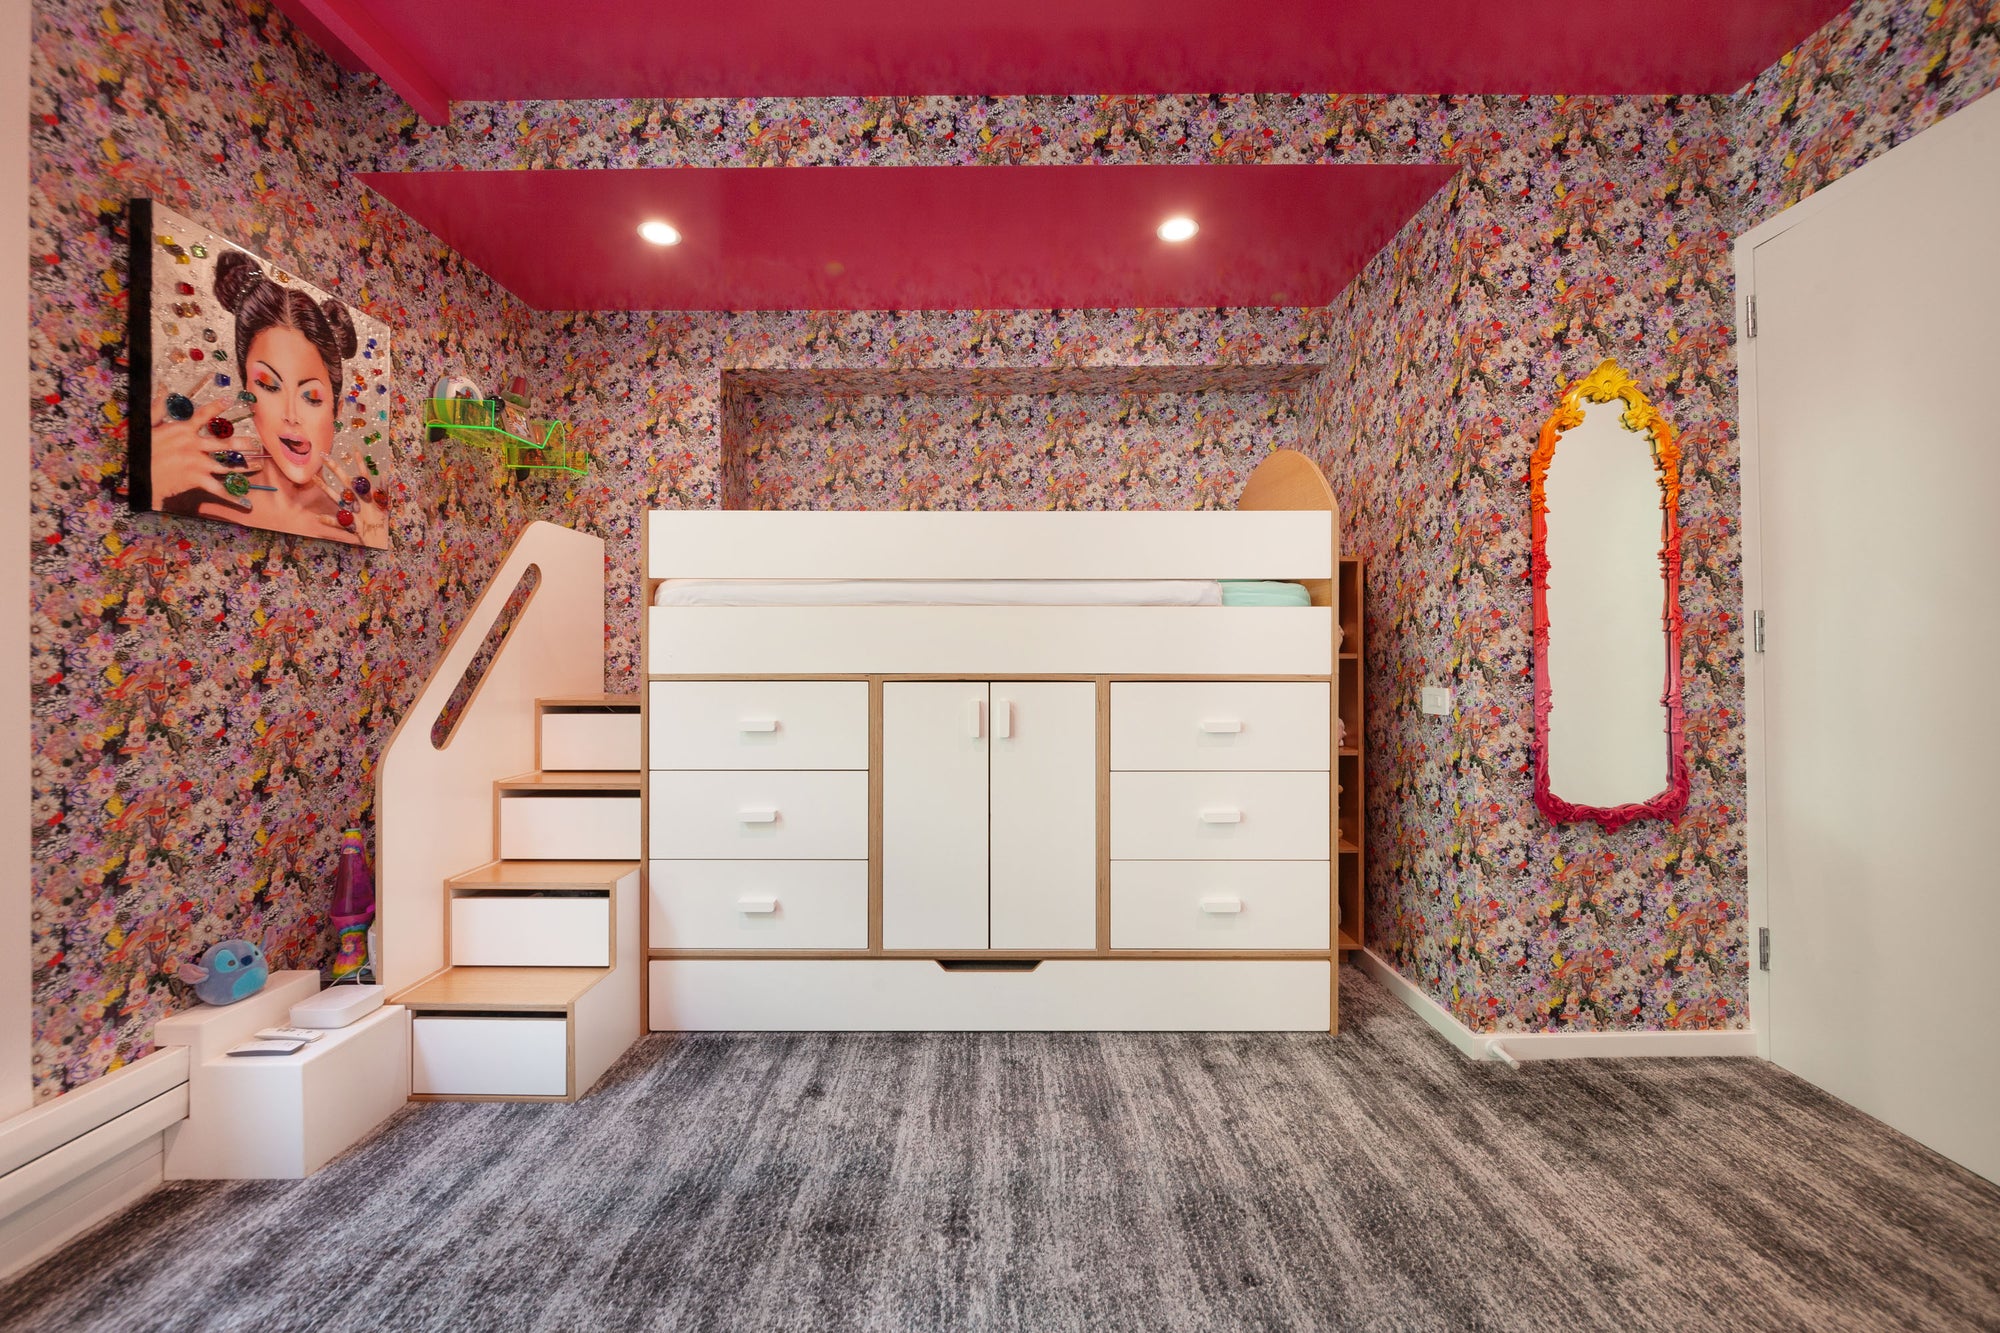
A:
x,y
659,233
1178,229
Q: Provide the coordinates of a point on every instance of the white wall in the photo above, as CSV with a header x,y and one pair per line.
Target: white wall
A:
x,y
15,1001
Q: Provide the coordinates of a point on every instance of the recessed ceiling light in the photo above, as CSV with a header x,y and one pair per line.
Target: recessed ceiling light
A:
x,y
659,233
1178,229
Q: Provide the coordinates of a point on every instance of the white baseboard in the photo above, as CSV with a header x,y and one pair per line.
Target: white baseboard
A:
x,y
1550,1045
74,1207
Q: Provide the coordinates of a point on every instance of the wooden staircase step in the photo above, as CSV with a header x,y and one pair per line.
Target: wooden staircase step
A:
x,y
622,701
572,780
534,876
524,990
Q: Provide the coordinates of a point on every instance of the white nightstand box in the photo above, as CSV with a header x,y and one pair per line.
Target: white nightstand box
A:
x,y
281,1117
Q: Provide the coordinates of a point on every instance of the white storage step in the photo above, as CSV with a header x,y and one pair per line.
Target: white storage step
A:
x,y
1221,905
1220,816
1234,725
455,1055
566,826
759,724
583,737
758,904
531,930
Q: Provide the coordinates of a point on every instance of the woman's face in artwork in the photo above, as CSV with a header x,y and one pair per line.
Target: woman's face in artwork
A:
x,y
295,401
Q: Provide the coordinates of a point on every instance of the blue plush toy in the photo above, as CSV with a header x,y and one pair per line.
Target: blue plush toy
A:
x,y
230,971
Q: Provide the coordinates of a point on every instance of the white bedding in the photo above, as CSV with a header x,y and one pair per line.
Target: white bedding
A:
x,y
938,592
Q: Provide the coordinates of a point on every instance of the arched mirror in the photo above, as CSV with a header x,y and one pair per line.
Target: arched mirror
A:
x,y
1604,493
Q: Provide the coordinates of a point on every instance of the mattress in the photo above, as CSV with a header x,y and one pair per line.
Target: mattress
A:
x,y
938,592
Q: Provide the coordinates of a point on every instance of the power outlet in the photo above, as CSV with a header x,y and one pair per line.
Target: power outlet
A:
x,y
1436,701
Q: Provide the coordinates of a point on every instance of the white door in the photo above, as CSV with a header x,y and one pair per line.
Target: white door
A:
x,y
934,815
1868,388
1044,815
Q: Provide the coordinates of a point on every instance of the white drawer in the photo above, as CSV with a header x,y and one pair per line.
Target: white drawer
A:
x,y
1223,724
590,740
490,1057
1219,816
562,827
1220,905
759,904
755,815
759,724
530,930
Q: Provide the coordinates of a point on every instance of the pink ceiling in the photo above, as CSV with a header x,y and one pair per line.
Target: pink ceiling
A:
x,y
466,50
917,238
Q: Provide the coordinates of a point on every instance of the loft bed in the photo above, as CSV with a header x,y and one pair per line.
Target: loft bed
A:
x,y
994,770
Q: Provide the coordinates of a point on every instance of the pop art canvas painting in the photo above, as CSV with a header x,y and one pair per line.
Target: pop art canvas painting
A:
x,y
257,398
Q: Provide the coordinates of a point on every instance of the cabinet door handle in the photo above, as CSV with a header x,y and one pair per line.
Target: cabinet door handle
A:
x,y
1222,904
1222,815
758,814
757,906
975,719
757,724
1221,726
1003,719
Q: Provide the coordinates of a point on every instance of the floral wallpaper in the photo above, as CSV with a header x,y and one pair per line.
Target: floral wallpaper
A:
x,y
209,702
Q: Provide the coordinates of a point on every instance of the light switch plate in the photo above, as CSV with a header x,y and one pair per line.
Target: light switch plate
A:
x,y
1437,701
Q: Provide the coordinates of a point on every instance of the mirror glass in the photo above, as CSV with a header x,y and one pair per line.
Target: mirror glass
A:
x,y
1607,561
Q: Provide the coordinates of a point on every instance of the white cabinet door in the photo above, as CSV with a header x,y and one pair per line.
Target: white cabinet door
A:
x,y
1044,815
934,745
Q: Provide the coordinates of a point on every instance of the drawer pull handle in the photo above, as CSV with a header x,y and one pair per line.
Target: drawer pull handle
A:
x,y
975,719
758,724
1227,904
1222,726
1222,815
767,814
1003,719
757,906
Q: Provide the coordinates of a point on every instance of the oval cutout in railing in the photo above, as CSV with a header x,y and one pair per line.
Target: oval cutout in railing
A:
x,y
468,685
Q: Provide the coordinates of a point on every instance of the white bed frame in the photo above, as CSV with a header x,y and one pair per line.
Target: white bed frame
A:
x,y
959,761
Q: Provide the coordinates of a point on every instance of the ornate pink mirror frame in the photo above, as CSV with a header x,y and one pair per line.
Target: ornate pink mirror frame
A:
x,y
1607,382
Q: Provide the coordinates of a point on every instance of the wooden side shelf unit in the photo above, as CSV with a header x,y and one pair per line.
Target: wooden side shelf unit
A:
x,y
1350,876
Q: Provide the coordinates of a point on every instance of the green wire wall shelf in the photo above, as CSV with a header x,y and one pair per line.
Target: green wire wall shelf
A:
x,y
478,421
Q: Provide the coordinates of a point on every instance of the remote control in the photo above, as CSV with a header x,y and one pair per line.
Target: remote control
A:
x,y
290,1034
268,1048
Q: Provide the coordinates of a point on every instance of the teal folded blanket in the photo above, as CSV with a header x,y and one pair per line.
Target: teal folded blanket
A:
x,y
1240,592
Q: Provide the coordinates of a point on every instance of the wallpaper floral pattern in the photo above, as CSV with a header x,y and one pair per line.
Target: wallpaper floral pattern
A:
x,y
208,702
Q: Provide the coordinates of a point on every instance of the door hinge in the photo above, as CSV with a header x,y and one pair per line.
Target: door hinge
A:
x,y
1757,631
1750,314
1763,948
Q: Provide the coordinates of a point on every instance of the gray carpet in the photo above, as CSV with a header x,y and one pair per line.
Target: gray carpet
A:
x,y
1369,1181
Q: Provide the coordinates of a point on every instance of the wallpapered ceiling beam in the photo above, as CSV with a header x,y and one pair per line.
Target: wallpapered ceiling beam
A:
x,y
359,41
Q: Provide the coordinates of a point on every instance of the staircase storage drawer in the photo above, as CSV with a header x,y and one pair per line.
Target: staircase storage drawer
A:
x,y
1225,724
590,739
1219,816
1220,905
530,930
561,826
490,1056
760,816
759,724
759,904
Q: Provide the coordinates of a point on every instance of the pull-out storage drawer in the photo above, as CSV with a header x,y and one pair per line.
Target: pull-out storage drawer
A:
x,y
530,930
759,904
1219,816
1220,905
590,739
1235,725
490,1056
755,815
759,724
563,826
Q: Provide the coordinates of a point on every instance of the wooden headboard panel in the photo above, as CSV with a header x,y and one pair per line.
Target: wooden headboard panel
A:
x,y
1290,480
